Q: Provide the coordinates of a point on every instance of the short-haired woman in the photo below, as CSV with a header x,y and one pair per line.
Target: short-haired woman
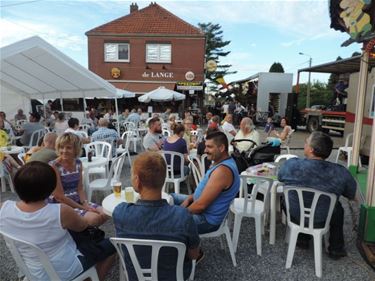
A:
x,y
46,225
177,143
69,188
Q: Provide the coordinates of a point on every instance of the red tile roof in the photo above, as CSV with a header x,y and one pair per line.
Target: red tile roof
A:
x,y
152,19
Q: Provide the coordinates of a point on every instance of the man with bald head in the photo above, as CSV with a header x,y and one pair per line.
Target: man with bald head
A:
x,y
47,153
106,134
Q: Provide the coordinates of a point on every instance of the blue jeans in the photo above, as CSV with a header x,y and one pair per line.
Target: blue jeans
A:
x,y
200,220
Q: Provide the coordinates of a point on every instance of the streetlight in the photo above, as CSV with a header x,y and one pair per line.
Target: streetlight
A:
x,y
308,82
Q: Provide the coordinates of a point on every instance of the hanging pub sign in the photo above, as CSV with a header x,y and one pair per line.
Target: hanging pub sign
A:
x,y
183,85
355,17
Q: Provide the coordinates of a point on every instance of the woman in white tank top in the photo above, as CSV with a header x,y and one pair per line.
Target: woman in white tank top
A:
x,y
45,225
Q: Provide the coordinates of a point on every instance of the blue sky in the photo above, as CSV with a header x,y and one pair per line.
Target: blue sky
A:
x,y
261,32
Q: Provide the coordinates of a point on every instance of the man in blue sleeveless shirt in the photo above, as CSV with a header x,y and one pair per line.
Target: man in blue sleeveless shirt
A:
x,y
316,173
211,200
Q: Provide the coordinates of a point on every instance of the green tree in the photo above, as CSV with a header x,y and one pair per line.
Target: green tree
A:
x,y
319,94
215,50
277,67
356,54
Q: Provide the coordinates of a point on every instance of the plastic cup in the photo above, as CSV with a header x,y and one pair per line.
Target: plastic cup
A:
x,y
129,194
117,189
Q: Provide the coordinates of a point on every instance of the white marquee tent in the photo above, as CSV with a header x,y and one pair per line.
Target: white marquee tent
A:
x,y
34,69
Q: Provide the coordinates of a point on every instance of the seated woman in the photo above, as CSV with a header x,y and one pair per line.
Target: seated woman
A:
x,y
247,131
177,143
61,124
69,188
46,225
285,132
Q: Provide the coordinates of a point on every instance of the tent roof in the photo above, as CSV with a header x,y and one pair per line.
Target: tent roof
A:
x,y
349,65
34,68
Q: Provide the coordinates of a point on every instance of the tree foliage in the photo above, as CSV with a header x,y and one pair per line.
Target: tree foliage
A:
x,y
277,67
320,93
215,49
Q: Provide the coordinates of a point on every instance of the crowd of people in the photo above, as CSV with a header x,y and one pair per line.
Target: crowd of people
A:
x,y
54,210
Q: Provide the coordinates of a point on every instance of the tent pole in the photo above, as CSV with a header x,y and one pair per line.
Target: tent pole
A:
x,y
360,105
44,106
118,123
61,102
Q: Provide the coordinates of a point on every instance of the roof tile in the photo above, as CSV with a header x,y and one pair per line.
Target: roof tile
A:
x,y
152,19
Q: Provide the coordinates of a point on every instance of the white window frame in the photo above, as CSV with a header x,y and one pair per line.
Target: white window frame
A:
x,y
158,59
116,45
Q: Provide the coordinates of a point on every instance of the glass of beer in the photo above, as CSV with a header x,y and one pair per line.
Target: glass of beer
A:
x,y
129,195
117,189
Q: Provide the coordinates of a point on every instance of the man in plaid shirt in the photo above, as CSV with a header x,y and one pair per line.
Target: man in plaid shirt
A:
x,y
106,134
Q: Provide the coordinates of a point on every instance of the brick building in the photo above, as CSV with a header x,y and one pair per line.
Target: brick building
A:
x,y
148,48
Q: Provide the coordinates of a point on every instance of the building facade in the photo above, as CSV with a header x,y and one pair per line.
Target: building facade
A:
x,y
149,48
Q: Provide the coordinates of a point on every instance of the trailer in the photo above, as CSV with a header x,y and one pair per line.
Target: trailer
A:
x,y
343,121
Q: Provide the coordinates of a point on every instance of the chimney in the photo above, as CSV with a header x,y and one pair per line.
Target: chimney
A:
x,y
133,8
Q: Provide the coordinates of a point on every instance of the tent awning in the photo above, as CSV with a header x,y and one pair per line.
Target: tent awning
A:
x,y
350,65
35,69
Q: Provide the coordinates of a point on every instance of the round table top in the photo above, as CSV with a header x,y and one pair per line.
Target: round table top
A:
x,y
96,161
110,202
13,149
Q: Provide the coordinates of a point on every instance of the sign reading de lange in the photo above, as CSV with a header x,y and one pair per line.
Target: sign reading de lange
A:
x,y
152,74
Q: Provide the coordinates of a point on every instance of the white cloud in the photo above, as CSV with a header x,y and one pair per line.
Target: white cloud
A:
x,y
16,30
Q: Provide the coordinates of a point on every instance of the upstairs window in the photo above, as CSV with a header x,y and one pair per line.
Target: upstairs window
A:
x,y
159,53
116,52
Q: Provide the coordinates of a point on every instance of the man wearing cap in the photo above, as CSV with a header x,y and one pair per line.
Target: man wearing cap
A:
x,y
29,128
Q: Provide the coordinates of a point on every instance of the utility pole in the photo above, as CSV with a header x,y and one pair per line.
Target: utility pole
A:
x,y
309,80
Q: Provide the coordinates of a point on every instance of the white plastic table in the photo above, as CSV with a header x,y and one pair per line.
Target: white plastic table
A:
x,y
110,202
13,149
273,193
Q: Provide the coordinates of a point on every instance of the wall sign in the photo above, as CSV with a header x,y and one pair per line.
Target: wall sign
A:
x,y
115,72
197,86
151,74
189,76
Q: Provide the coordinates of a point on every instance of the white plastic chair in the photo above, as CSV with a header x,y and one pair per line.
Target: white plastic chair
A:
x,y
307,214
105,184
85,127
171,176
21,157
286,142
166,133
203,164
195,168
249,206
347,149
285,157
150,273
124,147
223,229
4,178
12,244
35,137
130,126
82,133
100,149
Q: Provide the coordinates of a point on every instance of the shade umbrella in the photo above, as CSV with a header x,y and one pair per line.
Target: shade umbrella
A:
x,y
161,94
124,93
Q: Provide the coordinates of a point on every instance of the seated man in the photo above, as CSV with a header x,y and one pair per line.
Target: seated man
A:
x,y
73,124
316,173
106,134
152,218
153,140
29,128
211,200
47,153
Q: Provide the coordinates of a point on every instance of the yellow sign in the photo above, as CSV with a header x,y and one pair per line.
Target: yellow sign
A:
x,y
115,72
211,66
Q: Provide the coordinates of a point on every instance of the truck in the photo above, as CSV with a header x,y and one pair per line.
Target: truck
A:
x,y
343,120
